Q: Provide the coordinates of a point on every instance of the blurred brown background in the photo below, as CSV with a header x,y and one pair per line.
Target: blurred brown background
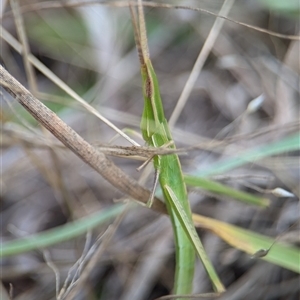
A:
x,y
91,48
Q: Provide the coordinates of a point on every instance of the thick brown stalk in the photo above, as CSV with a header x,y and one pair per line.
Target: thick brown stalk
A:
x,y
97,160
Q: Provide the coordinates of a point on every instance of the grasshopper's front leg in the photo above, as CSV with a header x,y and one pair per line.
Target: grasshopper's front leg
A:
x,y
156,179
156,173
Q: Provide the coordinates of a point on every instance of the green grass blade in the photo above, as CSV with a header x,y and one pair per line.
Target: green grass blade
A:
x,y
291,143
224,190
283,255
60,233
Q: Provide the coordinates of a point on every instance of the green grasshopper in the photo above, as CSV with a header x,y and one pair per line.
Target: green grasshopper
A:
x,y
156,133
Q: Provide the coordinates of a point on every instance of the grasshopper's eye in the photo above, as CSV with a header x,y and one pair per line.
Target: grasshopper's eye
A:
x,y
148,88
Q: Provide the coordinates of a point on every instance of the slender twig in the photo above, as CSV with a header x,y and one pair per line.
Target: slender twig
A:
x,y
24,41
5,35
92,264
208,45
53,267
59,4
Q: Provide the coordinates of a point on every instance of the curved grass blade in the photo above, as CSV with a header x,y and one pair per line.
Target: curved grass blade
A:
x,y
221,189
283,255
291,143
60,233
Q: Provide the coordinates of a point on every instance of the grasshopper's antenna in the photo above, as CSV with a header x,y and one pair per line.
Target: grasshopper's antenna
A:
x,y
140,36
143,31
137,36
